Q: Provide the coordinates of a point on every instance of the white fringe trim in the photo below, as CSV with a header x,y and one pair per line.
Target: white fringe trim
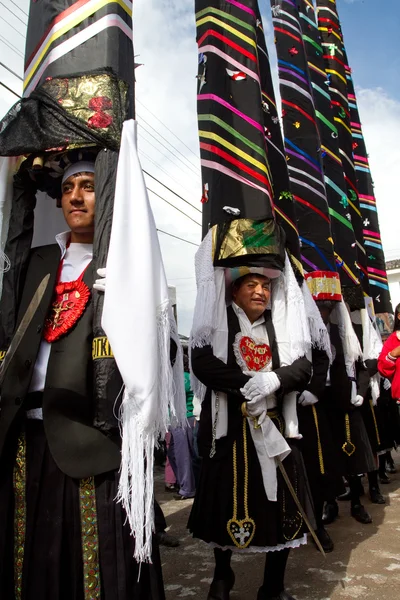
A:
x,y
318,331
297,322
136,484
351,346
263,549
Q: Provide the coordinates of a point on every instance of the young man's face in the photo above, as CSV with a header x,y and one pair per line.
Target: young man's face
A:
x,y
78,203
253,295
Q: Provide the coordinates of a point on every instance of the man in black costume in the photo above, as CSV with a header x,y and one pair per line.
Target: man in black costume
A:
x,y
63,536
342,399
232,510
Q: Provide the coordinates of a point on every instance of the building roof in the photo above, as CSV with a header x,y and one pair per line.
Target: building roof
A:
x,y
393,264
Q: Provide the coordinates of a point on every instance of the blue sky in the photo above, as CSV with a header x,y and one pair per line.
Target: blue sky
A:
x,y
371,30
166,94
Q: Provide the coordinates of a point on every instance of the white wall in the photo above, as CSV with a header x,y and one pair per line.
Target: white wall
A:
x,y
394,286
49,221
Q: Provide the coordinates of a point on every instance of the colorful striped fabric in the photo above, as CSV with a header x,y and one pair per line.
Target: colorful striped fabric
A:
x,y
64,33
283,198
237,181
372,240
332,49
302,142
336,189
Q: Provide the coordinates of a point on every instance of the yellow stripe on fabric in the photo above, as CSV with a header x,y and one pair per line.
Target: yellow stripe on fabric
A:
x,y
88,12
232,30
333,32
281,214
310,64
224,15
333,72
217,138
354,207
347,269
332,154
338,120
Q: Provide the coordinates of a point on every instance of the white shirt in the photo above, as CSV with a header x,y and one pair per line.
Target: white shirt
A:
x,y
257,331
76,259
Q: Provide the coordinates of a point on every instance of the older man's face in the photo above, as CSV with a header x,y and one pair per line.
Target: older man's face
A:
x,y
78,203
253,295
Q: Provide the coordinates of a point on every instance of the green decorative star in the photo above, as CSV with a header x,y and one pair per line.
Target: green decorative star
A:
x,y
344,202
256,237
286,196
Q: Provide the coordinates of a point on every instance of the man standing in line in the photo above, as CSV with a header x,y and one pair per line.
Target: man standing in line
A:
x,y
63,536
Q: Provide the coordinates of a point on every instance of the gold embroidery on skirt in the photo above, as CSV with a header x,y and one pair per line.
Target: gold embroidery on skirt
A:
x,y
19,483
320,454
90,539
241,531
378,439
348,447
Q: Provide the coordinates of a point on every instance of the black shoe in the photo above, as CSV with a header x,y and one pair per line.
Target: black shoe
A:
x,y
325,539
331,512
360,514
383,478
220,588
344,497
376,496
165,539
180,497
282,596
171,487
391,469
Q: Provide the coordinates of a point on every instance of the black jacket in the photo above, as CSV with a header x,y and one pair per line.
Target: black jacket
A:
x,y
78,448
228,378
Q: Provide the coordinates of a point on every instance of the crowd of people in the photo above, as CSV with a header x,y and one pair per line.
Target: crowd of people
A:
x,y
348,429
274,436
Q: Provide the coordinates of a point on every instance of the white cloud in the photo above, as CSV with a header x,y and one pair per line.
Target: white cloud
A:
x,y
380,117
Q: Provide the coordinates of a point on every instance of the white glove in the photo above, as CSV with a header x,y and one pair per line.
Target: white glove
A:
x,y
100,284
357,401
261,386
257,409
307,399
386,384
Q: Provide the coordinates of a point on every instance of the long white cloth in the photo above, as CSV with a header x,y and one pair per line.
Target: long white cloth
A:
x,y
7,169
139,324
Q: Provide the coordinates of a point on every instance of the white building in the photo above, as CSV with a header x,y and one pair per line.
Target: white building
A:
x,y
393,273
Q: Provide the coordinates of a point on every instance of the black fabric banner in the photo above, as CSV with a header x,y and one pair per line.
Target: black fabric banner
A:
x,y
335,185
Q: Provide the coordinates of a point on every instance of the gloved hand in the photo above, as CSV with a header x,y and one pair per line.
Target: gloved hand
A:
x,y
257,409
386,384
261,386
357,401
100,284
307,399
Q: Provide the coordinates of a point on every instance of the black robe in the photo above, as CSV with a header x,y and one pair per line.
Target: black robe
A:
x,y
275,523
321,455
346,420
59,476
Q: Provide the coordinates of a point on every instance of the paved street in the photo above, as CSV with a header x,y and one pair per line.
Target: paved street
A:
x,y
365,563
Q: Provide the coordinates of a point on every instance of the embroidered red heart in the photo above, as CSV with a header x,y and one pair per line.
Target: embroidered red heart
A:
x,y
256,356
67,308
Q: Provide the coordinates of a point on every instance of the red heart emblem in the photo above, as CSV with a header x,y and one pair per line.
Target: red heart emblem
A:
x,y
255,356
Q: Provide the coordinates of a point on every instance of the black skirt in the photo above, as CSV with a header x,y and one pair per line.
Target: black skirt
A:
x,y
65,539
223,506
348,431
389,420
322,457
374,424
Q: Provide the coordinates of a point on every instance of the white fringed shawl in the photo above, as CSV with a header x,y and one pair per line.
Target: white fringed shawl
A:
x,y
139,324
